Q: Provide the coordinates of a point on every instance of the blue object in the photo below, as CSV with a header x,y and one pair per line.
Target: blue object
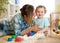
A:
x,y
16,1
31,33
9,39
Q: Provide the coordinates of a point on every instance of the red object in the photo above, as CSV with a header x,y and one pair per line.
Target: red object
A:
x,y
18,39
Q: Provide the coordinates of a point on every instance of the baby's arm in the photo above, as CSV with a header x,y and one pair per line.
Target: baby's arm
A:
x,y
44,30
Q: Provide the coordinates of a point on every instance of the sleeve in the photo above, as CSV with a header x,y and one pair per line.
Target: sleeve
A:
x,y
47,23
17,26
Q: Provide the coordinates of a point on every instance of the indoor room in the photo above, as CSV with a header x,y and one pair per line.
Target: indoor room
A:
x,y
29,21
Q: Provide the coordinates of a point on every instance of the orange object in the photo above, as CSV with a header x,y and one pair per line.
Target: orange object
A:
x,y
6,37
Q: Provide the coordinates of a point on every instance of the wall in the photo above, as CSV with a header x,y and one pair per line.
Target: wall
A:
x,y
49,4
57,3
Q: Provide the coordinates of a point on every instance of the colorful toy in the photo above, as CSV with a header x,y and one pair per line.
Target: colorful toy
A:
x,y
6,37
36,36
13,36
58,26
58,23
18,39
31,33
9,39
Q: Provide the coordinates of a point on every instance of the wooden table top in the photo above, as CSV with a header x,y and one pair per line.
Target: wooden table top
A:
x,y
50,39
44,40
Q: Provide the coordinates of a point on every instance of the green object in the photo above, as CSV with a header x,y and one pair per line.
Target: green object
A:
x,y
13,36
58,26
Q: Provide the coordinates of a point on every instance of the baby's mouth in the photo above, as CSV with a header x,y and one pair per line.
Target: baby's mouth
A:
x,y
40,15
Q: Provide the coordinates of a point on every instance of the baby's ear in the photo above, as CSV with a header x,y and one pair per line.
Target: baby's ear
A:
x,y
45,10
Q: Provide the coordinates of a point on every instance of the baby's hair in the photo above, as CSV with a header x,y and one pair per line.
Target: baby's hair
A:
x,y
41,6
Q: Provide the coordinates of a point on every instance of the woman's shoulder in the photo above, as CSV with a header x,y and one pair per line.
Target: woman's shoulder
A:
x,y
18,15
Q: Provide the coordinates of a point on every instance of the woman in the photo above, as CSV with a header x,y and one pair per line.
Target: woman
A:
x,y
23,22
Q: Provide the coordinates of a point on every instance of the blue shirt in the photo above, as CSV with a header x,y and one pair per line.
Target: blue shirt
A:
x,y
42,23
19,24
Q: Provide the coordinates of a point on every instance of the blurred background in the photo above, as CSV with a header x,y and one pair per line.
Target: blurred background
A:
x,y
8,8
14,5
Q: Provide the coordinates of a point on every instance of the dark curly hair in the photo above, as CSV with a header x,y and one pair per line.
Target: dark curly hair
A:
x,y
27,10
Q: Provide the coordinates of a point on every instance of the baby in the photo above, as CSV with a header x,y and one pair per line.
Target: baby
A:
x,y
41,21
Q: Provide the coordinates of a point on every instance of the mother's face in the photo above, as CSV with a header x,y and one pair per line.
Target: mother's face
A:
x,y
27,12
28,19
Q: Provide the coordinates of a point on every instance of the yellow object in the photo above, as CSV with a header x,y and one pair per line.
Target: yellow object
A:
x,y
59,23
58,20
58,7
6,37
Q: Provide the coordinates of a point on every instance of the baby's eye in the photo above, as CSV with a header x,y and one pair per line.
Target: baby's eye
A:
x,y
41,11
38,11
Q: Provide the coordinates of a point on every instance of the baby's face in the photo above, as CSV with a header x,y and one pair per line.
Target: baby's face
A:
x,y
40,12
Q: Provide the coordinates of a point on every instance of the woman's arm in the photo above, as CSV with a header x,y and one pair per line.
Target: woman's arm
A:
x,y
17,24
26,31
29,29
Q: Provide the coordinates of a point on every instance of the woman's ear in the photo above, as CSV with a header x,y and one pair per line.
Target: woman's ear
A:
x,y
25,16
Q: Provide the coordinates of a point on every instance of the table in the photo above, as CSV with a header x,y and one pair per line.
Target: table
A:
x,y
53,38
44,40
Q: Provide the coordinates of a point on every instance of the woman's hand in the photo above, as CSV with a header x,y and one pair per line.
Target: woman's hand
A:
x,y
35,28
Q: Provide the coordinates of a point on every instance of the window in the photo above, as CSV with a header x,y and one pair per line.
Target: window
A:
x,y
49,4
